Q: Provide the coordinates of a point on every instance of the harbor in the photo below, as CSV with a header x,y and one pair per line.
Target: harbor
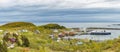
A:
x,y
100,31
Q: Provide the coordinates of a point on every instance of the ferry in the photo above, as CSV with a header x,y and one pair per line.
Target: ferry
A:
x,y
100,33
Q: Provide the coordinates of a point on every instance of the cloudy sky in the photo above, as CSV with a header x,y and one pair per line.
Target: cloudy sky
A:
x,y
60,10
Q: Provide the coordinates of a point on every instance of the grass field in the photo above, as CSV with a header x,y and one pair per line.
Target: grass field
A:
x,y
43,43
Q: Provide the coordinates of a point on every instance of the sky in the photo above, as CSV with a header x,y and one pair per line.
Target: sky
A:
x,y
60,10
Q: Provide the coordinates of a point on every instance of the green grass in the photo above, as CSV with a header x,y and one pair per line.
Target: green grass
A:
x,y
42,43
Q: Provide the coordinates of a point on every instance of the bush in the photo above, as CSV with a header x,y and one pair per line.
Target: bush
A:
x,y
3,47
25,41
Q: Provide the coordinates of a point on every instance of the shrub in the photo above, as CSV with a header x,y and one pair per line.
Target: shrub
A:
x,y
3,47
25,41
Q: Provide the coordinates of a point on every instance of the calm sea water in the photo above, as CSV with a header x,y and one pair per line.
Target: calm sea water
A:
x,y
114,33
80,25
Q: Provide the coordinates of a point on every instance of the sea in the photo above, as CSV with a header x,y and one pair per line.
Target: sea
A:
x,y
114,33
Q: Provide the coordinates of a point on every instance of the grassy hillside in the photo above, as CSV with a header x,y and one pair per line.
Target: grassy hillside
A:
x,y
43,43
52,26
18,25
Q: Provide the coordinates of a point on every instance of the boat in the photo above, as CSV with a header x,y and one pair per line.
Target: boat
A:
x,y
100,33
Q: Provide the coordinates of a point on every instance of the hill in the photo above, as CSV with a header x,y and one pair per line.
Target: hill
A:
x,y
18,25
52,26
